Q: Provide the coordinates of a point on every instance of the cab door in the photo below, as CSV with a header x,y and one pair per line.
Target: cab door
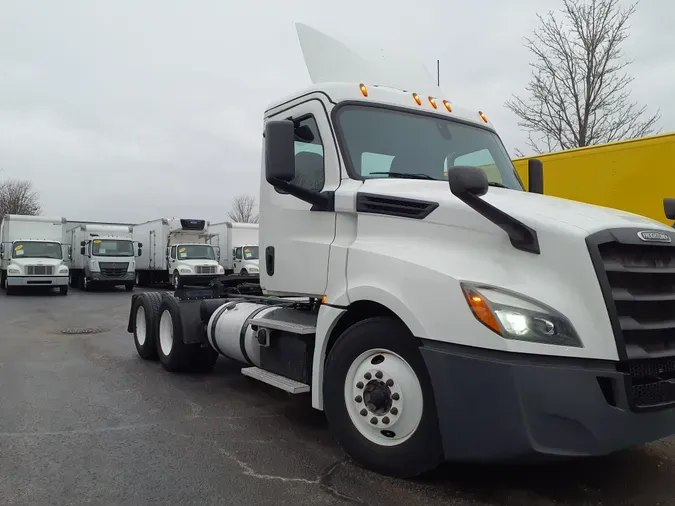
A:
x,y
295,239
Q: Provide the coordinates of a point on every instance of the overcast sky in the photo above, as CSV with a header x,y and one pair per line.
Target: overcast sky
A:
x,y
130,110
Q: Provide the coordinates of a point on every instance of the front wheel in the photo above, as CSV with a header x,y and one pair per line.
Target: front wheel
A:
x,y
379,400
244,272
63,290
176,281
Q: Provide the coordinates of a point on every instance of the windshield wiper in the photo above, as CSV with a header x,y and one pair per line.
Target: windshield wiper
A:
x,y
498,185
406,175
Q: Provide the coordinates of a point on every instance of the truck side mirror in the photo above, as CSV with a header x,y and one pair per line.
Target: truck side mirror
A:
x,y
467,180
669,208
140,251
82,243
82,250
535,176
279,151
140,244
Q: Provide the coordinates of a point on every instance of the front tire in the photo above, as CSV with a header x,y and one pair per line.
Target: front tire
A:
x,y
63,290
243,272
176,281
379,401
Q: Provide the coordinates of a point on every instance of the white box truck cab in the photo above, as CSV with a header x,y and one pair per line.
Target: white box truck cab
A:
x,y
236,246
102,255
433,318
178,251
32,254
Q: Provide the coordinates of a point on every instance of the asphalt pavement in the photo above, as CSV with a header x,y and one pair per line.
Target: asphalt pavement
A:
x,y
83,420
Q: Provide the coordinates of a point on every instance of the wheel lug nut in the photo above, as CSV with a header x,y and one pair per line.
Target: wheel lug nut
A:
x,y
378,374
358,398
385,420
390,382
364,412
367,376
395,396
394,411
359,385
373,420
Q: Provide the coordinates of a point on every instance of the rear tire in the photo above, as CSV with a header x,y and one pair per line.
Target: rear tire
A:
x,y
174,354
145,311
388,425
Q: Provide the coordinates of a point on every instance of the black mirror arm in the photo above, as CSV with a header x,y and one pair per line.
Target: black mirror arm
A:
x,y
324,201
521,236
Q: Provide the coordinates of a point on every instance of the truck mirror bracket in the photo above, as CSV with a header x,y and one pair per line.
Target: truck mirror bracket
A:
x,y
321,201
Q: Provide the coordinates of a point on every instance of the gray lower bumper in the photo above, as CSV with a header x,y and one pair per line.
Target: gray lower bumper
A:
x,y
100,278
37,280
505,406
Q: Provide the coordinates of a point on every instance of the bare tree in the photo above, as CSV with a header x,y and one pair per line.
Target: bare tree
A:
x,y
579,93
244,209
18,197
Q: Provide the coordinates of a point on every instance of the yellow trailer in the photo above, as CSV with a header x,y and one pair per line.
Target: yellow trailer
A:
x,y
633,175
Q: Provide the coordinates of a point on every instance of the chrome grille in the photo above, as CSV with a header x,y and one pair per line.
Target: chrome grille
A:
x,y
205,269
39,270
113,269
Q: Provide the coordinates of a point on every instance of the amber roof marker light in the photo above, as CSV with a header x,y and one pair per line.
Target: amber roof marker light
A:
x,y
447,105
364,90
482,116
417,98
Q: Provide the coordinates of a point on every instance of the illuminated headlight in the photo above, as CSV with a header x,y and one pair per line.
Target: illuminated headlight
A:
x,y
63,270
515,317
185,270
221,270
13,270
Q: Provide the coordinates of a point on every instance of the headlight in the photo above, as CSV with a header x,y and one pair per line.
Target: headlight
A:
x,y
185,270
13,270
252,269
221,270
514,317
63,270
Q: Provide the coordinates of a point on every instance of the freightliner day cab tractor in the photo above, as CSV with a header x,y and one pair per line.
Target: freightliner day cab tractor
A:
x,y
102,255
432,318
31,253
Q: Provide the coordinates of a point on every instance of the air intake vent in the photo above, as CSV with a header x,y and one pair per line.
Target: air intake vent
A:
x,y
192,224
394,206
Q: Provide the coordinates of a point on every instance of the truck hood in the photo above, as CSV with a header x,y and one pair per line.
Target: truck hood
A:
x,y
198,262
537,211
22,262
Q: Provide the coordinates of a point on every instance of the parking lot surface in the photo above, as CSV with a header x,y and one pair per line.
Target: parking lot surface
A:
x,y
83,420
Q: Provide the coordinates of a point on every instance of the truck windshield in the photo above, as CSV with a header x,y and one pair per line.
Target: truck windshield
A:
x,y
250,252
383,142
37,249
195,252
112,248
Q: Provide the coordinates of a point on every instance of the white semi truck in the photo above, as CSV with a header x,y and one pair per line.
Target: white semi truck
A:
x,y
101,254
178,251
432,317
236,246
31,253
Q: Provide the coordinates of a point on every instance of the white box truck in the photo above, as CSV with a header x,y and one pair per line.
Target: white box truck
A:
x,y
236,246
176,250
102,255
432,317
32,253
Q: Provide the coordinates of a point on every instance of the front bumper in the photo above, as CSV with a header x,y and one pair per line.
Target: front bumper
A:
x,y
127,277
37,280
198,279
495,406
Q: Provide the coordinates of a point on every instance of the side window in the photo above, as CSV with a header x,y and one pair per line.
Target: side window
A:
x,y
173,252
237,253
481,158
309,156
